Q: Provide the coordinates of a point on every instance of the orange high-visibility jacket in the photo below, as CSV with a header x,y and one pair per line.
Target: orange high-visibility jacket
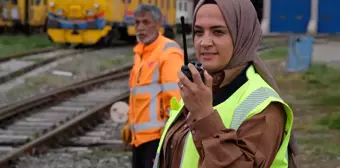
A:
x,y
153,82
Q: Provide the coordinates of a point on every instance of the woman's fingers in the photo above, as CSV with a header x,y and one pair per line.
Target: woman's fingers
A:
x,y
208,79
195,75
184,80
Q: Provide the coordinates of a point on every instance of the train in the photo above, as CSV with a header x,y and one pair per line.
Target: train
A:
x,y
312,17
23,15
106,21
92,22
103,22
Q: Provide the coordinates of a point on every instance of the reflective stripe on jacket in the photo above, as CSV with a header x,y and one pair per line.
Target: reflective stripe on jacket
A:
x,y
153,82
250,99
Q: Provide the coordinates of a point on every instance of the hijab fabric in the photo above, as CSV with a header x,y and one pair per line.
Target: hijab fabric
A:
x,y
245,30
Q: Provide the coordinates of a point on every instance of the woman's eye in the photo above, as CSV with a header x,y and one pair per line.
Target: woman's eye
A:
x,y
219,32
198,32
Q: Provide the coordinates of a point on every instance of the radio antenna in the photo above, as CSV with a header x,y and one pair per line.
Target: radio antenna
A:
x,y
186,59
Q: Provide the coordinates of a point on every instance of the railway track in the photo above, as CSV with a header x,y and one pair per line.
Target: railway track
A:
x,y
76,115
20,55
51,118
19,64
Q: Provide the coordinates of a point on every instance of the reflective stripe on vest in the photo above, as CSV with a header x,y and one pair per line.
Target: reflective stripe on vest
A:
x,y
251,102
248,104
169,45
153,89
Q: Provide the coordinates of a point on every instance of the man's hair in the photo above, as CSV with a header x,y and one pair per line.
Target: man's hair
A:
x,y
155,11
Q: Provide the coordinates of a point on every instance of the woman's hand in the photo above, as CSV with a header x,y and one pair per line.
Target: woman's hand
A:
x,y
196,95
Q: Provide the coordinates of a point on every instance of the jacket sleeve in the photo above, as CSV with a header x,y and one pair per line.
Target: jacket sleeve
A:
x,y
169,69
254,144
131,79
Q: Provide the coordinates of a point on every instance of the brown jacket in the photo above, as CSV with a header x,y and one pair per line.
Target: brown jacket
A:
x,y
254,144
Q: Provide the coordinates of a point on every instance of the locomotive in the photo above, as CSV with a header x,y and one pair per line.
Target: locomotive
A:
x,y
101,21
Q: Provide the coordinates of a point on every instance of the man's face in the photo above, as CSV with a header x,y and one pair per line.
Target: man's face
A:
x,y
146,28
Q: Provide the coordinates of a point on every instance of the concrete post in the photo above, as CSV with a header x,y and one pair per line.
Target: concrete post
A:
x,y
313,22
265,24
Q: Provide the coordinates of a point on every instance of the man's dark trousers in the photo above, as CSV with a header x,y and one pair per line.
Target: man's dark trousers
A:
x,y
143,156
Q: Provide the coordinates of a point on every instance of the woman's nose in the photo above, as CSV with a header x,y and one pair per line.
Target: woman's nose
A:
x,y
206,42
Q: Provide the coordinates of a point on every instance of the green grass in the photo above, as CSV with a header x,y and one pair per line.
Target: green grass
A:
x,y
331,121
110,62
314,97
319,145
322,89
323,83
12,44
274,53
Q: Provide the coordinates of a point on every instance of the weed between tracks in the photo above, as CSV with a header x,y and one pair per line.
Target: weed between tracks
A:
x,y
107,64
21,43
314,97
33,83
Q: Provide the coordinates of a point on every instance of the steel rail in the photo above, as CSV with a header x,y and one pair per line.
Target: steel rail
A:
x,y
28,53
33,66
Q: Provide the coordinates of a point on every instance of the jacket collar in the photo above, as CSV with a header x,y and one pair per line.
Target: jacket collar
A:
x,y
141,48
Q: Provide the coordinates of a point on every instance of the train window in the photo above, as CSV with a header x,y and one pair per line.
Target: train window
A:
x,y
162,4
180,6
15,2
185,6
37,2
168,3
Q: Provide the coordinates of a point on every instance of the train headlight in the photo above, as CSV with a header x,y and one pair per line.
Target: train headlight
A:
x,y
59,11
51,4
90,13
96,5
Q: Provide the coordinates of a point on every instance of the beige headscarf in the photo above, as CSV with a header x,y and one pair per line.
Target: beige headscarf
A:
x,y
245,29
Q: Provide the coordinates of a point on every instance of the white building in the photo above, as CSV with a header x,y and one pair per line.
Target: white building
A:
x,y
184,8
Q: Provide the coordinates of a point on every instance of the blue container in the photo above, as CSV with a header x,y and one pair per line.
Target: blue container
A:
x,y
329,17
299,53
289,16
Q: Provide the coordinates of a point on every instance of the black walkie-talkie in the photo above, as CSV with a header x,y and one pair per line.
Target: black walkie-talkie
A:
x,y
185,69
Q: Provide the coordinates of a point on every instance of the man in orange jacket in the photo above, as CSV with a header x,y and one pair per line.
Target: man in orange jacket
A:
x,y
153,82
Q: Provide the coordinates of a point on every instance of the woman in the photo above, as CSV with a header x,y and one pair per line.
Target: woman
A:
x,y
236,119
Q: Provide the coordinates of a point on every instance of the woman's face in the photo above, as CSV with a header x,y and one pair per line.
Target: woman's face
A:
x,y
213,42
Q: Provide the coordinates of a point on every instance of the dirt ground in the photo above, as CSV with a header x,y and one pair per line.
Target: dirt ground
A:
x,y
314,97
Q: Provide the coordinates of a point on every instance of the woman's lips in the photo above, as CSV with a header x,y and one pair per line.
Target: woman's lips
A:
x,y
208,56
